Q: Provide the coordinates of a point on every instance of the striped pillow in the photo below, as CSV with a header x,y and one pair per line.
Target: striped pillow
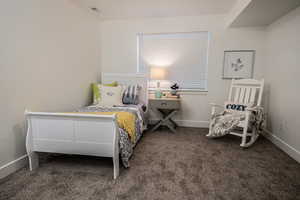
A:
x,y
131,94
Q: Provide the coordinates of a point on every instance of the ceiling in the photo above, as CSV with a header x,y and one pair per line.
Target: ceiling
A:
x,y
124,9
264,12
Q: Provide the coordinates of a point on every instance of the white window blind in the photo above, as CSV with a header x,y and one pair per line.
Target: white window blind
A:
x,y
183,55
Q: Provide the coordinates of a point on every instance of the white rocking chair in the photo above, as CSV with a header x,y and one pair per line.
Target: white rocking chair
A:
x,y
243,91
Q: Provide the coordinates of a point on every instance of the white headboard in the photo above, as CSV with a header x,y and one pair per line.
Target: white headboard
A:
x,y
127,79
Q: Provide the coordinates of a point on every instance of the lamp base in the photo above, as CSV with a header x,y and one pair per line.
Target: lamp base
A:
x,y
158,93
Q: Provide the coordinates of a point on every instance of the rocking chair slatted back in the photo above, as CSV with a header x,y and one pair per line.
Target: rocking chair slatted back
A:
x,y
246,91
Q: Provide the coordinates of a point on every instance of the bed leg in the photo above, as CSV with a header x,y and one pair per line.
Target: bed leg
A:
x,y
116,166
33,161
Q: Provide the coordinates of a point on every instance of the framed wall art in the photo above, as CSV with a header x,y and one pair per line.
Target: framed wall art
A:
x,y
238,64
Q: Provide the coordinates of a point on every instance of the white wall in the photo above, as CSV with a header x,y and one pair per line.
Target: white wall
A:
x,y
119,54
49,55
282,79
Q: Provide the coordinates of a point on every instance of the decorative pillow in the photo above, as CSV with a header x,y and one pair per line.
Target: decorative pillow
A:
x,y
236,107
96,90
113,84
131,94
110,96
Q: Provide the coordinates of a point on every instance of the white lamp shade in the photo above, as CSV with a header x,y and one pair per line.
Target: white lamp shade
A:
x,y
158,73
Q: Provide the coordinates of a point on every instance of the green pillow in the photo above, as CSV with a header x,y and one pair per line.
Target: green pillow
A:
x,y
96,90
113,84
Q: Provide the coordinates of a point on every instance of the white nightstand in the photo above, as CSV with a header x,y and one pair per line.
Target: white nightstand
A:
x,y
168,107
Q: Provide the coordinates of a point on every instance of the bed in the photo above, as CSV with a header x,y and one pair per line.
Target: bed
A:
x,y
85,132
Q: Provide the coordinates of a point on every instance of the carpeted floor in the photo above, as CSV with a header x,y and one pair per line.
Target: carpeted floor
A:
x,y
185,165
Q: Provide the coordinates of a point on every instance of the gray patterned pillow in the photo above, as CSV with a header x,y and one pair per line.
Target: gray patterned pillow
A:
x,y
131,94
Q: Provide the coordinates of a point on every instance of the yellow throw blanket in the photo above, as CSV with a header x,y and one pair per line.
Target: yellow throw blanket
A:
x,y
126,121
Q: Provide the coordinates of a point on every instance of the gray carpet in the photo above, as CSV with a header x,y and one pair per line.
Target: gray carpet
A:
x,y
185,165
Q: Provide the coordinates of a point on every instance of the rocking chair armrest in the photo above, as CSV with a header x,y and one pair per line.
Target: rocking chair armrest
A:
x,y
248,113
215,105
250,109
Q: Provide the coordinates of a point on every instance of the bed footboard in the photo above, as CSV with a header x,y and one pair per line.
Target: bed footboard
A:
x,y
72,133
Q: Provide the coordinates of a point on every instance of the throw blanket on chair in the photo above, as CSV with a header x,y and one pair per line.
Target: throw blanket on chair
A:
x,y
225,122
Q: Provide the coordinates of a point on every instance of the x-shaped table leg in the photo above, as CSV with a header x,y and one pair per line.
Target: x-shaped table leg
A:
x,y
167,120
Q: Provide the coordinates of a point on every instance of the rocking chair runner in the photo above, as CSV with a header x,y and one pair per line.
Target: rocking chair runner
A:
x,y
244,91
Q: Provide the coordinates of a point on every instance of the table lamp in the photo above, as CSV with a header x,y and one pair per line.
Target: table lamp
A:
x,y
158,74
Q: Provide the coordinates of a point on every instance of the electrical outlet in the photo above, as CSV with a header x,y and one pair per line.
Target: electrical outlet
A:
x,y
281,127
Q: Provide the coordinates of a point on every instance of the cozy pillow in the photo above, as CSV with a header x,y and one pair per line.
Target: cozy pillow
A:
x,y
110,96
236,107
96,90
131,94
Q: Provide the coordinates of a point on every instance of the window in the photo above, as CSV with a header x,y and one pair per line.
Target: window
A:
x,y
184,57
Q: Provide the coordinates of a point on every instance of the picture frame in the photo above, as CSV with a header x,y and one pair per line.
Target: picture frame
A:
x,y
238,64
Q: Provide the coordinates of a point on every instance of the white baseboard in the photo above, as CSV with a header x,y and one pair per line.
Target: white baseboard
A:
x,y
187,123
13,166
291,151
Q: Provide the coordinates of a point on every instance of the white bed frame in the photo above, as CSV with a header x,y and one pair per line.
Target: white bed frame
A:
x,y
83,134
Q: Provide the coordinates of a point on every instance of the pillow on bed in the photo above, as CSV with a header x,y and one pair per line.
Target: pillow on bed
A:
x,y
131,94
110,96
96,90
